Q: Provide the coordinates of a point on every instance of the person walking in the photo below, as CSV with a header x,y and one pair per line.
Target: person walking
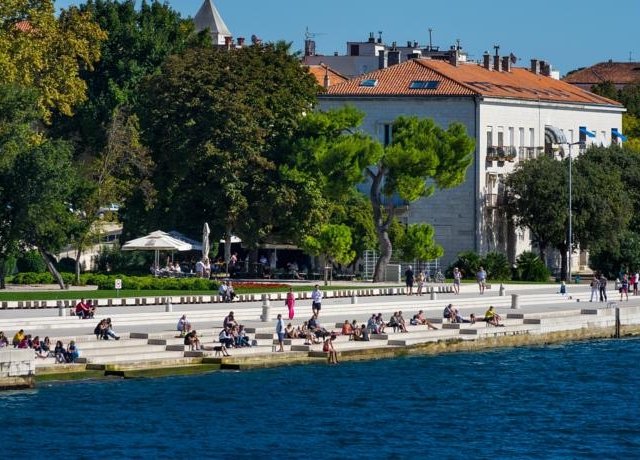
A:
x,y
624,287
602,286
595,288
290,302
316,300
481,277
409,278
280,331
420,279
457,276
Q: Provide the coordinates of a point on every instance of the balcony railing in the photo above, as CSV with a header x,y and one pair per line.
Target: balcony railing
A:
x,y
501,153
529,153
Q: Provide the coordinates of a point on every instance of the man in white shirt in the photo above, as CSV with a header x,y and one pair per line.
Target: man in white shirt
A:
x,y
316,300
200,269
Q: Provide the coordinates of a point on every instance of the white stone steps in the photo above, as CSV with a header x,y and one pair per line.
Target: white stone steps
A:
x,y
133,357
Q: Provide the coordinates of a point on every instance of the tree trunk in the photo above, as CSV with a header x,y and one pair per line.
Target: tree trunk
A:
x,y
227,246
563,263
381,223
48,260
3,273
78,255
542,248
385,255
253,261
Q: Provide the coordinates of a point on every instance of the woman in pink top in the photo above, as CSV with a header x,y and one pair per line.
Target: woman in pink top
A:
x,y
290,302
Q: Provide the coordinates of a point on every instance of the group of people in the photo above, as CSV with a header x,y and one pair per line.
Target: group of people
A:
x,y
104,330
599,287
85,309
42,348
453,315
421,278
226,291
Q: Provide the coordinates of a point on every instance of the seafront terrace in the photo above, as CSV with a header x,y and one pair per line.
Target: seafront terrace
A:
x,y
149,339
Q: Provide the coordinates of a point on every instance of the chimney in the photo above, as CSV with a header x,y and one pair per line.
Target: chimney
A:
x,y
394,55
535,66
496,63
228,41
453,57
486,60
506,63
409,43
327,80
240,42
382,59
371,38
545,68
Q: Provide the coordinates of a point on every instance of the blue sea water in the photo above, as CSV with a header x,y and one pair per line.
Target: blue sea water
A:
x,y
576,400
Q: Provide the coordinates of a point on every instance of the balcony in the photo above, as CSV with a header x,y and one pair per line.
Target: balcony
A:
x,y
493,200
529,153
501,154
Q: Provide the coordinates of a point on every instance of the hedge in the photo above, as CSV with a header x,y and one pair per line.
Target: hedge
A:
x,y
107,282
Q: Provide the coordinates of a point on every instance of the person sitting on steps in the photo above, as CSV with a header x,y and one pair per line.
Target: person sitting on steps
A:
x,y
491,317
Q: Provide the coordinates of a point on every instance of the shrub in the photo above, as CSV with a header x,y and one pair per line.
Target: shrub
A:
x,y
66,264
468,262
497,266
529,267
31,261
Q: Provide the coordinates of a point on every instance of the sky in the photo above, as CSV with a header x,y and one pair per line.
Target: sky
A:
x,y
568,33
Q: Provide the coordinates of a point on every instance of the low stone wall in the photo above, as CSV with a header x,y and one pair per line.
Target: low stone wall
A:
x,y
17,369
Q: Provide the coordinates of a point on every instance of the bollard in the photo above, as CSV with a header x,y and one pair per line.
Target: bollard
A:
x,y
354,297
168,307
266,308
62,311
434,296
515,301
501,293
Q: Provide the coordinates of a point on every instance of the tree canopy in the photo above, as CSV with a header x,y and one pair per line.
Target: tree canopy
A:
x,y
48,53
421,158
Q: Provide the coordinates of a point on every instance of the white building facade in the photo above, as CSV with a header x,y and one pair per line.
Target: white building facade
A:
x,y
512,113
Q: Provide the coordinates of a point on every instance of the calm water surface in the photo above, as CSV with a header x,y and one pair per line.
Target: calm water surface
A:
x,y
577,400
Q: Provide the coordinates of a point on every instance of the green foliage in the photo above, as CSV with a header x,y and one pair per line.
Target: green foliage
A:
x,y
468,262
215,121
333,242
620,252
51,54
529,267
112,259
31,261
497,266
418,243
107,282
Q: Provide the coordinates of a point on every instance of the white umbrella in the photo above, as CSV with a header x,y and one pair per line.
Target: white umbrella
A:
x,y
156,241
234,239
205,240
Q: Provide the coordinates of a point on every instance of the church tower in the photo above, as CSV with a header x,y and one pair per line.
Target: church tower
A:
x,y
208,17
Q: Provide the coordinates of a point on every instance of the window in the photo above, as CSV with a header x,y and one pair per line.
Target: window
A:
x,y
500,138
354,50
387,131
532,137
369,83
422,84
489,136
583,135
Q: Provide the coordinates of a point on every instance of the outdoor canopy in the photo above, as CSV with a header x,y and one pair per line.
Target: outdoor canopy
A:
x,y
156,241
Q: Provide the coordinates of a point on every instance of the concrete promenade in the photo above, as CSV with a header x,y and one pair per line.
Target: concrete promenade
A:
x,y
149,338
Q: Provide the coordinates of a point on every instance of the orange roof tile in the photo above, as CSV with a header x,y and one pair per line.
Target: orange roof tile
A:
x,y
321,70
466,79
23,26
621,73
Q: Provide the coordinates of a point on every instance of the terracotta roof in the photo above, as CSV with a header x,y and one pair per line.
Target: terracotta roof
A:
x,y
23,26
321,70
466,79
621,73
